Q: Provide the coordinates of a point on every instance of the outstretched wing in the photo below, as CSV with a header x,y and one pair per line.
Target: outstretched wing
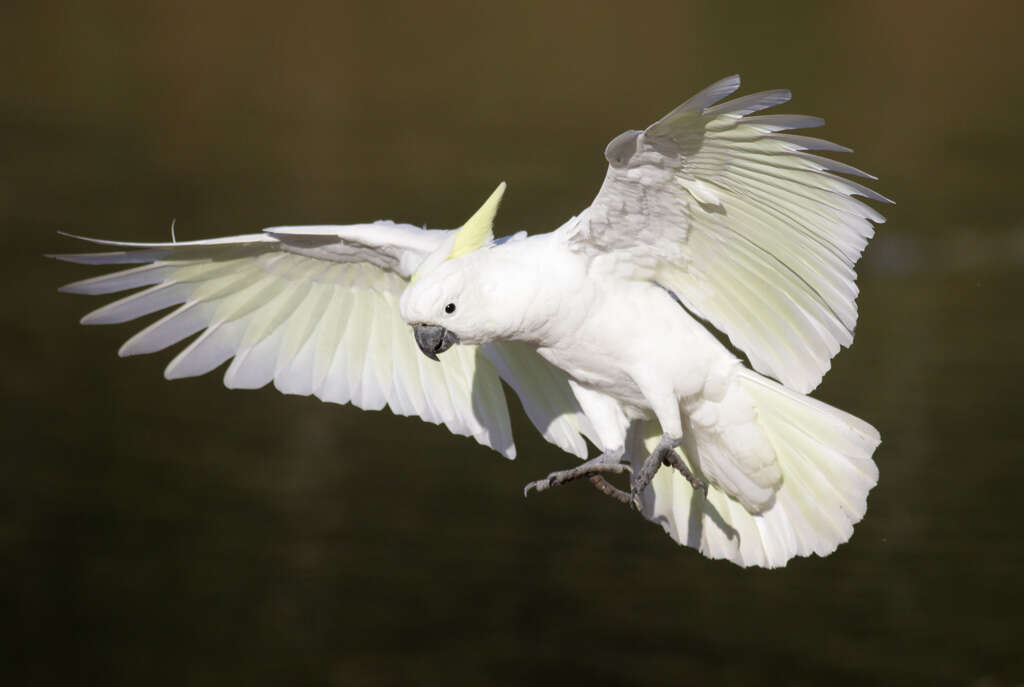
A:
x,y
751,231
315,311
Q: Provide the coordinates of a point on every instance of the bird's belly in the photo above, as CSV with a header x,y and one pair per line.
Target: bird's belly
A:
x,y
596,370
635,331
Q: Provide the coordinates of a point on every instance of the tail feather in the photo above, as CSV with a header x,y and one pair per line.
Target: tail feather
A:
x,y
827,471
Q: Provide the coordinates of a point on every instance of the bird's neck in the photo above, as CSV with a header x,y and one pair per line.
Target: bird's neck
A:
x,y
543,284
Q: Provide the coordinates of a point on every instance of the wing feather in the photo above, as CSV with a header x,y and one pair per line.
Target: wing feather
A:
x,y
753,233
170,329
328,382
312,314
151,300
254,365
545,395
121,280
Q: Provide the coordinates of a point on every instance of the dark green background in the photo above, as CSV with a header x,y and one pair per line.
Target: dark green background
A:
x,y
179,533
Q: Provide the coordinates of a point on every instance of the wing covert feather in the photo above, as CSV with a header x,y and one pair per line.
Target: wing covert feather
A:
x,y
753,233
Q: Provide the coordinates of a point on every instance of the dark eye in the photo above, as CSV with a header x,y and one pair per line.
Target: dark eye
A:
x,y
450,308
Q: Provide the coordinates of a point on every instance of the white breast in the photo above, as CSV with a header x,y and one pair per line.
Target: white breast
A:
x,y
633,327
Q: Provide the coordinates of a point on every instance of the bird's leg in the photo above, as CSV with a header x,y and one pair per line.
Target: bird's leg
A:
x,y
663,454
607,462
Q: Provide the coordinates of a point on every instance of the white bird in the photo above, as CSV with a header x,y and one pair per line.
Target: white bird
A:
x,y
710,217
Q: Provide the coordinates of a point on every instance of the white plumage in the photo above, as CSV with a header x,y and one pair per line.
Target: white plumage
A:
x,y
764,240
306,324
710,214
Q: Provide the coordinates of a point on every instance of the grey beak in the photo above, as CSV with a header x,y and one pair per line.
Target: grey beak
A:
x,y
433,339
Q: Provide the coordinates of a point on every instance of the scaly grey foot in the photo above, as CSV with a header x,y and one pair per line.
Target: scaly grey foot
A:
x,y
663,454
606,488
607,462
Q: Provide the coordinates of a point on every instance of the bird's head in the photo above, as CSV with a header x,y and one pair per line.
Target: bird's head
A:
x,y
447,300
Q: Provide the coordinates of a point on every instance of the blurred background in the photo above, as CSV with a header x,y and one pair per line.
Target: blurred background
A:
x,y
178,533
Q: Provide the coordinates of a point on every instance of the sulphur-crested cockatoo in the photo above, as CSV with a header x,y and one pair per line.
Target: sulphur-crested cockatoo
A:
x,y
710,217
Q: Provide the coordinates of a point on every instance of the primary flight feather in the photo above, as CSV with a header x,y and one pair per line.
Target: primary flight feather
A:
x,y
713,215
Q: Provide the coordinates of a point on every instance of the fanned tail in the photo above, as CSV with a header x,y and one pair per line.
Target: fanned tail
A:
x,y
825,458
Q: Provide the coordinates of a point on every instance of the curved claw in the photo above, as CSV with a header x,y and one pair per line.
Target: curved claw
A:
x,y
663,454
539,485
673,460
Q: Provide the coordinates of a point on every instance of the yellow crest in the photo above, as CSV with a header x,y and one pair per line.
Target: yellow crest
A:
x,y
476,232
